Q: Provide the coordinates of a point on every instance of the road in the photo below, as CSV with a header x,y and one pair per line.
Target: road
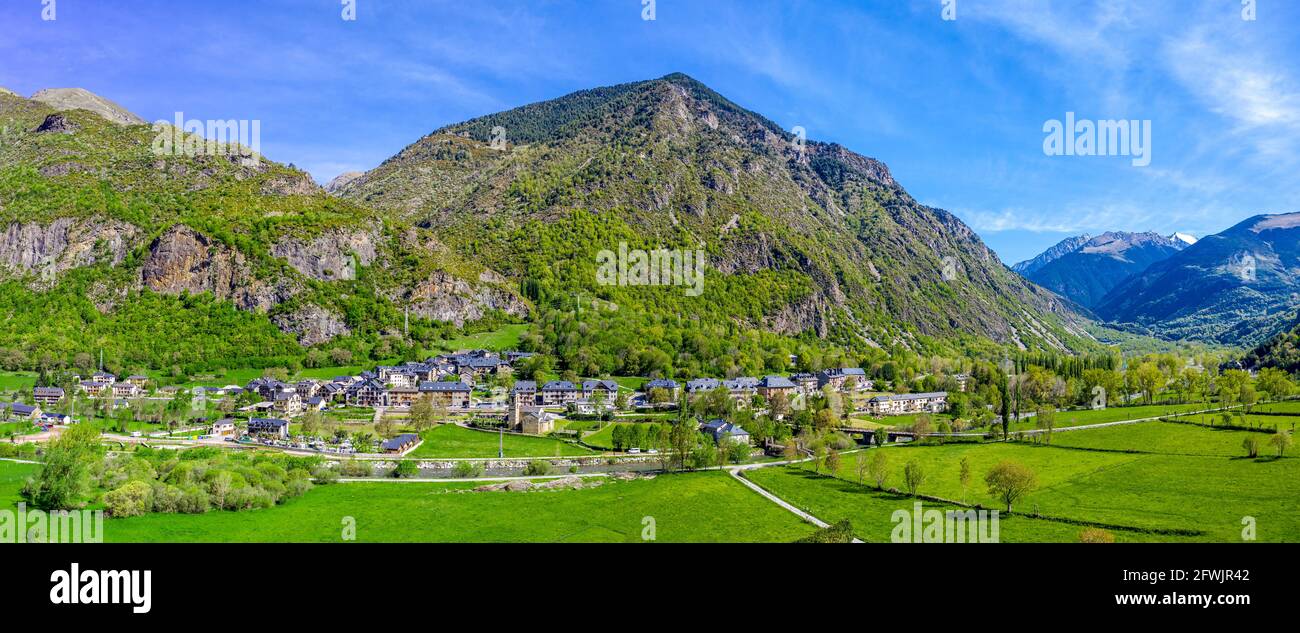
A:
x,y
736,473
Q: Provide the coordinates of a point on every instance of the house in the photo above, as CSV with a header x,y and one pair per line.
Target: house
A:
x,y
840,378
806,383
288,402
223,428
723,431
138,380
537,421
103,378
125,390
314,403
93,389
559,392
606,390
742,389
447,394
524,391
367,393
47,396
701,385
22,411
57,418
902,404
669,386
266,388
307,388
401,444
402,397
268,427
771,386
963,381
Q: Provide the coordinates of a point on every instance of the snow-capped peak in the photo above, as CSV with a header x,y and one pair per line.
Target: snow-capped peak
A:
x,y
1183,237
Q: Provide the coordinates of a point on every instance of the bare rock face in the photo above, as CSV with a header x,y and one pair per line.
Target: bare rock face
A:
x,y
183,260
332,256
296,185
312,324
64,244
57,123
445,298
79,99
342,180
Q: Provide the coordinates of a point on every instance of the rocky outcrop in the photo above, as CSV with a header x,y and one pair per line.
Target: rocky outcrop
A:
x,y
79,99
342,180
57,123
299,184
183,260
312,324
66,243
331,256
443,297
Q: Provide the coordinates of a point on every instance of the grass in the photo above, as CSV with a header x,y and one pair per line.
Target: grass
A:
x,y
1290,407
17,380
505,338
696,507
1114,414
1166,438
870,511
1167,488
604,438
1282,422
449,440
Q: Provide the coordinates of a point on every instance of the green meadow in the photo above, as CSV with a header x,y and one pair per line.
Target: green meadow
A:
x,y
695,507
449,440
1165,480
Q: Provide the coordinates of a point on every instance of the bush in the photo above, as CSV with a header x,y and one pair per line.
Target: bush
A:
x,y
468,470
406,469
133,499
1096,535
537,468
324,475
356,468
1251,444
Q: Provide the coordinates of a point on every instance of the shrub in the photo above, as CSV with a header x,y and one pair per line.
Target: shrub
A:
x,y
537,468
406,469
133,499
467,470
1096,535
356,468
1251,444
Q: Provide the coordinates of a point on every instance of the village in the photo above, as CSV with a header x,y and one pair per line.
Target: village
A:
x,y
470,386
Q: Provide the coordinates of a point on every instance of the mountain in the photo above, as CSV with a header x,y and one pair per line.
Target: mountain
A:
x,y
170,259
1237,287
1085,268
201,260
1062,248
1281,351
800,237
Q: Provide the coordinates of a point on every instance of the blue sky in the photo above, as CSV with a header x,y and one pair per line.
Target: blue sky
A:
x,y
955,108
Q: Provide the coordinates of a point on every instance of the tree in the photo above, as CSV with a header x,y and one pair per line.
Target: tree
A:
x,y
964,477
861,464
311,422
1149,379
1275,383
913,476
423,416
832,461
1009,481
1046,420
1281,441
881,436
619,435
878,465
384,427
64,481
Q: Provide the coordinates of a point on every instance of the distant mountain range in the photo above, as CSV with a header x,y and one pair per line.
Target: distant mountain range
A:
x,y
1237,287
1085,268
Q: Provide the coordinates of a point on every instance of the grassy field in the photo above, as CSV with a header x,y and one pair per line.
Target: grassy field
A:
x,y
870,511
1284,422
505,338
1114,414
1167,438
17,380
454,441
1290,407
604,438
1189,479
699,507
